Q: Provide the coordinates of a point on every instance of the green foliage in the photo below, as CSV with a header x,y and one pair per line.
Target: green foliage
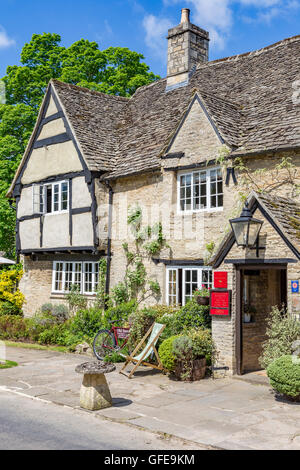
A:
x,y
101,297
9,292
60,312
86,322
166,353
7,308
284,375
8,365
282,330
119,314
55,334
13,327
191,315
202,344
120,293
75,299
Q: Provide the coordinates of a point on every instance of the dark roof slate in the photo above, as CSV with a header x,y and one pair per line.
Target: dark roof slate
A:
x,y
249,98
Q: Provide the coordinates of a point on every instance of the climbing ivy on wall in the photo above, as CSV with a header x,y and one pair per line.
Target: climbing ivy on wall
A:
x,y
148,242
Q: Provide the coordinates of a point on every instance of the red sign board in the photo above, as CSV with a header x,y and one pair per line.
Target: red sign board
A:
x,y
220,303
220,280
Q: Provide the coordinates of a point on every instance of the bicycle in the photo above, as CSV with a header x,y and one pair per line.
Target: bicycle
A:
x,y
107,341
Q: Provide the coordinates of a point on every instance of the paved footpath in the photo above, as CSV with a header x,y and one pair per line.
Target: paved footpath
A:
x,y
221,413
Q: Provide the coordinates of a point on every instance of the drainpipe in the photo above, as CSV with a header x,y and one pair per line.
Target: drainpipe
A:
x,y
110,203
10,202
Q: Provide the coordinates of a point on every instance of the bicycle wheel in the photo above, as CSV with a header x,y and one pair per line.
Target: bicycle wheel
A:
x,y
104,344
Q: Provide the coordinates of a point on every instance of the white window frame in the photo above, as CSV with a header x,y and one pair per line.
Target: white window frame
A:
x,y
209,208
95,278
184,269
36,194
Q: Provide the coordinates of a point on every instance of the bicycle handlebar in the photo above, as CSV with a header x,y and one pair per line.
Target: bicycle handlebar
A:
x,y
115,321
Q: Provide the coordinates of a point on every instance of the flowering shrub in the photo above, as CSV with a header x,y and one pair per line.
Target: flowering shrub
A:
x,y
9,293
204,292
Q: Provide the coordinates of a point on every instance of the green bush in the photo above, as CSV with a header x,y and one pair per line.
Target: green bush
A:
x,y
86,322
61,313
284,375
190,316
7,308
166,353
53,335
202,344
76,300
119,313
282,330
13,327
46,309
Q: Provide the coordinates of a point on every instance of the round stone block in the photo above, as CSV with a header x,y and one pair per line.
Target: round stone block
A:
x,y
94,392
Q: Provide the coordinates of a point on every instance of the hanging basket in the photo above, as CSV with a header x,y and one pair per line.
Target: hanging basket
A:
x,y
202,300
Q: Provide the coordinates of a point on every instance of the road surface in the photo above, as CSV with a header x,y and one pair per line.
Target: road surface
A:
x,y
29,424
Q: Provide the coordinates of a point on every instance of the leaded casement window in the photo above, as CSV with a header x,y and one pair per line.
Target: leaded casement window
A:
x,y
200,190
183,281
84,275
51,198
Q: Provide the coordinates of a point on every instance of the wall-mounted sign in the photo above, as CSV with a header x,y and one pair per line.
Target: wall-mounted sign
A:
x,y
295,287
220,303
220,280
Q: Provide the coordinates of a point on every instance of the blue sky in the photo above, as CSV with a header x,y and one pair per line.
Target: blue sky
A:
x,y
236,26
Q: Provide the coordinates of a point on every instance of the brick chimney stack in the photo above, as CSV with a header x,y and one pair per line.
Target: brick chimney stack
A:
x,y
187,47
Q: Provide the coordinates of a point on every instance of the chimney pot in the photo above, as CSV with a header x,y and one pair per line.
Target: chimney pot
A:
x,y
185,15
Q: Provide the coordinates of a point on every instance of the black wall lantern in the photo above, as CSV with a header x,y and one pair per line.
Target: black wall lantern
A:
x,y
246,229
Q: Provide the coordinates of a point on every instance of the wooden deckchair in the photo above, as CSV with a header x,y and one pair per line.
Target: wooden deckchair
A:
x,y
153,333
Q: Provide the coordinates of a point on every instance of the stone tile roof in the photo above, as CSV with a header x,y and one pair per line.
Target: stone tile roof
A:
x,y
94,117
249,98
286,213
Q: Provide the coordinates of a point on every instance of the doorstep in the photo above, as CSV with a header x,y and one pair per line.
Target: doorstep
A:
x,y
257,377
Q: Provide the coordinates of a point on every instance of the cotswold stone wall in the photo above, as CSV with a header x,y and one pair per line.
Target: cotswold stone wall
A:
x,y
36,284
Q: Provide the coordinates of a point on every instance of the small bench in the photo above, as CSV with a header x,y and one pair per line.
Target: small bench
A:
x,y
94,392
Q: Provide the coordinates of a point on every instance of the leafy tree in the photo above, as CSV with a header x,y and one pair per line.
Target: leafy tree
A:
x,y
116,71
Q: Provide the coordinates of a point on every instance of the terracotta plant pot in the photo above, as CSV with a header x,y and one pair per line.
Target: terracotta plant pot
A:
x,y
202,300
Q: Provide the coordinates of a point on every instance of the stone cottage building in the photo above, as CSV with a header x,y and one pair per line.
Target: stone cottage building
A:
x,y
185,152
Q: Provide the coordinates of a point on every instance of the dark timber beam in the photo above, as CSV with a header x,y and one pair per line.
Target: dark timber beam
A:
x,y
56,139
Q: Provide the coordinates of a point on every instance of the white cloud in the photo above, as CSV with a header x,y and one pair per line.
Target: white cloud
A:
x,y
260,3
156,30
268,10
5,40
214,15
217,17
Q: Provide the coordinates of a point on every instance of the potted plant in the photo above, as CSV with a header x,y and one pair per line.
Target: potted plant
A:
x,y
249,310
191,353
202,295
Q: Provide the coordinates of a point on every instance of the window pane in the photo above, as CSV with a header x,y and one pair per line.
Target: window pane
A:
x,y
56,197
207,278
172,287
216,188
41,191
49,198
96,280
88,277
58,284
78,275
68,276
64,196
185,192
